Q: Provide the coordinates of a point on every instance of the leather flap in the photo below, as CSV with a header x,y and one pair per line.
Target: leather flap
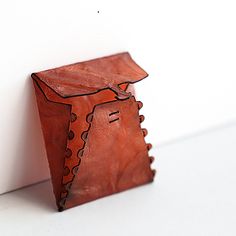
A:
x,y
92,76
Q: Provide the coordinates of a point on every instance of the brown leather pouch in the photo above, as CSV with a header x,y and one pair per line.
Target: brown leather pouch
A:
x,y
91,126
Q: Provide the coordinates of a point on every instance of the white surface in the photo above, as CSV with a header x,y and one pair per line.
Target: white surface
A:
x,y
193,194
188,48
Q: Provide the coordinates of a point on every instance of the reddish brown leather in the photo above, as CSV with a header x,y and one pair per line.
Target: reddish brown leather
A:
x,y
115,156
91,126
92,76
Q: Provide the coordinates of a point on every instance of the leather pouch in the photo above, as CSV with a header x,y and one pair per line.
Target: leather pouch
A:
x,y
91,126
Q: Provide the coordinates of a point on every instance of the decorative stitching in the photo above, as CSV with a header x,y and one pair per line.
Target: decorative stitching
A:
x,y
145,132
74,170
84,136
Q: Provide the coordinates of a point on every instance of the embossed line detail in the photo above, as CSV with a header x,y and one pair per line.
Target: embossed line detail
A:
x,y
110,121
114,116
113,113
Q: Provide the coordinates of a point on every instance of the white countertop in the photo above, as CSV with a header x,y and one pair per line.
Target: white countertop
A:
x,y
194,193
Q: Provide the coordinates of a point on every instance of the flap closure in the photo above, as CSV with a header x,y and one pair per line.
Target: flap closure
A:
x,y
90,77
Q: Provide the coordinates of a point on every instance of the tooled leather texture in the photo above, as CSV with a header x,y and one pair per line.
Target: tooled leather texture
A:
x,y
92,76
93,138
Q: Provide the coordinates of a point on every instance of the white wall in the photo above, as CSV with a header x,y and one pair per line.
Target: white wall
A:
x,y
188,48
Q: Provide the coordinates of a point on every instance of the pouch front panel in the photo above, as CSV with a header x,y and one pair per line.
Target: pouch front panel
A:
x,y
115,156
